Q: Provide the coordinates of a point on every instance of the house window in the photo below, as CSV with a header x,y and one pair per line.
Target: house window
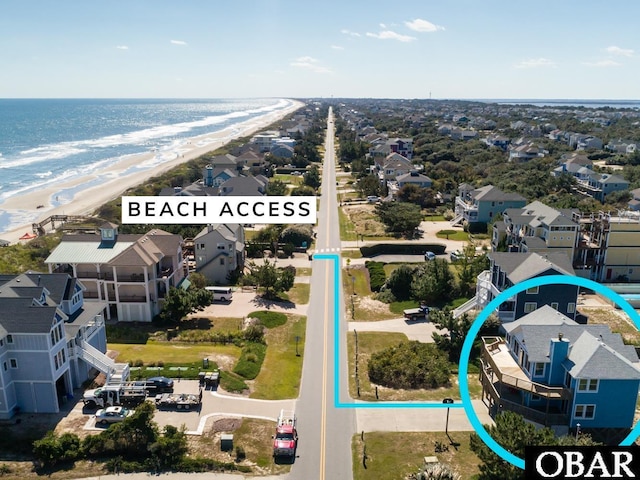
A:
x,y
555,305
530,307
1,342
222,261
571,308
539,370
9,338
13,363
588,385
585,411
532,290
535,397
221,246
4,364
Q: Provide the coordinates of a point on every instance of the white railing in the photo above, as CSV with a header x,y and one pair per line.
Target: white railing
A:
x,y
115,372
465,307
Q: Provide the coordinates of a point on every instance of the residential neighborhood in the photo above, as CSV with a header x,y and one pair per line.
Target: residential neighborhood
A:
x,y
435,207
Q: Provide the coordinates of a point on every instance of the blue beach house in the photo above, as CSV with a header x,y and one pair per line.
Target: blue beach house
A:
x,y
556,372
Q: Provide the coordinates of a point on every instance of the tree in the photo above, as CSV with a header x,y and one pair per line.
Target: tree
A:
x,y
433,282
513,434
197,280
180,302
312,177
369,186
276,188
411,193
399,282
399,217
273,280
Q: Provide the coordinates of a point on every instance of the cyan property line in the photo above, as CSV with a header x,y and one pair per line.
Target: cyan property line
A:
x,y
335,258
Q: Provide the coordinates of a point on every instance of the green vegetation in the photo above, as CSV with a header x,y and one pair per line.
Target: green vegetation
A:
x,y
299,294
282,367
250,361
377,277
347,227
133,445
400,217
453,235
410,365
20,258
395,455
179,303
269,319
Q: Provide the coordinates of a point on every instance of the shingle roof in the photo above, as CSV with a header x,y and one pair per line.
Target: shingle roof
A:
x,y
19,315
595,351
491,194
522,266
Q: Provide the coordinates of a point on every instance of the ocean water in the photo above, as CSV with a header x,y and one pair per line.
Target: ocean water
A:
x,y
46,141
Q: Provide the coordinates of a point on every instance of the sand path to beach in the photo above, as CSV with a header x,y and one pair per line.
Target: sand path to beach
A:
x,y
115,179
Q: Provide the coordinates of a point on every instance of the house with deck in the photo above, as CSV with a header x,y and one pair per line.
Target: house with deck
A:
x,y
556,372
480,205
130,273
219,251
51,341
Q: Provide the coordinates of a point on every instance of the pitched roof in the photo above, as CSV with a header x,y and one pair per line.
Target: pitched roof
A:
x,y
489,193
595,352
519,266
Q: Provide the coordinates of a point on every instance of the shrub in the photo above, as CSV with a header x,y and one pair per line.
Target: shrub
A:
x,y
377,276
250,360
269,319
386,296
410,365
402,249
240,453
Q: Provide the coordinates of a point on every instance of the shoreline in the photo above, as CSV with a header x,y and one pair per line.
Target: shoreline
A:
x,y
113,180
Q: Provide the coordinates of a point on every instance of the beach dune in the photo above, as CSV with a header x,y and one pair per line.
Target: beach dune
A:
x,y
37,206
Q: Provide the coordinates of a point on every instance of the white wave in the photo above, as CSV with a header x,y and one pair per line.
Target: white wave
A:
x,y
44,174
42,154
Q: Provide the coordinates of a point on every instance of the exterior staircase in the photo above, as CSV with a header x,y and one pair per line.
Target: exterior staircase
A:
x,y
457,220
115,372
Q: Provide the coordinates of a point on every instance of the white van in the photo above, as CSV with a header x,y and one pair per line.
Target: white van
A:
x,y
221,294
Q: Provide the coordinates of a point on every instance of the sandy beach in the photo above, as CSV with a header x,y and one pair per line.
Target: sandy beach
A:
x,y
115,179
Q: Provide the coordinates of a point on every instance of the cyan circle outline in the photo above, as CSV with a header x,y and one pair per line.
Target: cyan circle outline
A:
x,y
482,317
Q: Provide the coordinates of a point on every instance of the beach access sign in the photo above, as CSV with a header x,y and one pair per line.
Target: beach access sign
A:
x,y
205,210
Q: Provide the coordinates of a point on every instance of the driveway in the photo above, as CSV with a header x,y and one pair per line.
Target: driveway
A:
x,y
421,330
244,303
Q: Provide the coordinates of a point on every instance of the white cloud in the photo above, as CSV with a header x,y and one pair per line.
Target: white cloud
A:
x,y
309,63
383,26
349,32
122,47
535,63
390,35
337,47
178,42
602,63
623,52
420,25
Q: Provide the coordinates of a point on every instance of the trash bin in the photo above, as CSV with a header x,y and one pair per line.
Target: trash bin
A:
x,y
226,442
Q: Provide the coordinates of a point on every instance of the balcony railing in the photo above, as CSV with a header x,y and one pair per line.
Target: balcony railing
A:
x,y
491,367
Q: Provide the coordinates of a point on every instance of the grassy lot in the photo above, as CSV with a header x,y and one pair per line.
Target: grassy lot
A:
x,y
253,435
347,227
361,283
299,294
371,342
459,235
303,271
434,218
295,180
351,253
394,455
366,308
282,368
617,321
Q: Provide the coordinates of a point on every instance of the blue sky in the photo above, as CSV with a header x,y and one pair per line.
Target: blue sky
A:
x,y
285,48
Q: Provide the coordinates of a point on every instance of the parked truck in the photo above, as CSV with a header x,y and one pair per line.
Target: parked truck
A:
x,y
285,441
420,313
111,395
179,401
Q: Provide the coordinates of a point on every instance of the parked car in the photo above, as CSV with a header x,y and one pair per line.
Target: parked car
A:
x,y
455,256
109,415
428,256
161,384
373,199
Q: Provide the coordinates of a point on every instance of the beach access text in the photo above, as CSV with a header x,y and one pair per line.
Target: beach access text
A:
x,y
205,210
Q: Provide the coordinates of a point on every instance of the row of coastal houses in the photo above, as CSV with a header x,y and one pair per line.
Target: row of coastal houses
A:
x,y
551,365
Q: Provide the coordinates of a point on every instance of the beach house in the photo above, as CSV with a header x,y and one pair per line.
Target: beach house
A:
x,y
51,341
556,372
130,273
480,205
219,251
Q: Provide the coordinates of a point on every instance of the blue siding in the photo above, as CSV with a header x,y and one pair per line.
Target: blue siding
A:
x,y
609,413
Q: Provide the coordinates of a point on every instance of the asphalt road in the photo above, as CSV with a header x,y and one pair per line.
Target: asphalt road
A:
x,y
325,432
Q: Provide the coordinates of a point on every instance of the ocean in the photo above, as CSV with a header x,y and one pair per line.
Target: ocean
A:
x,y
47,141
